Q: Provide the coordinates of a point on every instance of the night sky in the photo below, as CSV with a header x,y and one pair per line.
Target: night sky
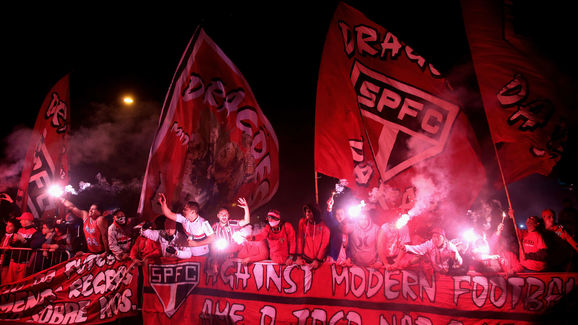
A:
x,y
110,51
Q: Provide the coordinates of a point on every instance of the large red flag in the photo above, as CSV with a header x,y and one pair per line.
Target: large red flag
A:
x,y
213,143
46,161
386,122
523,98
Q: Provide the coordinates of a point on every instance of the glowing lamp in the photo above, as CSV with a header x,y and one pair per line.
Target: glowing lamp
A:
x,y
402,221
55,191
221,243
127,100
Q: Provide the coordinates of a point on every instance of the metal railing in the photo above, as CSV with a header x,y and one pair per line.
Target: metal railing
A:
x,y
36,260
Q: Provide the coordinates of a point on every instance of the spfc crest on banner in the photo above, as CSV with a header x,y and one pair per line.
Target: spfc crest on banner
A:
x,y
173,283
405,125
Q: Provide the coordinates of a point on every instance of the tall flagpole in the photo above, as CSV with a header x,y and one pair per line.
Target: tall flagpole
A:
x,y
316,189
501,172
507,192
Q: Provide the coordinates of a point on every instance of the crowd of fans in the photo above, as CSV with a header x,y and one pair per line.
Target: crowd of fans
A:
x,y
327,235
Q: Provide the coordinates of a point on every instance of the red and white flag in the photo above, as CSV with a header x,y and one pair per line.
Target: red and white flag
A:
x,y
387,123
46,162
213,142
524,100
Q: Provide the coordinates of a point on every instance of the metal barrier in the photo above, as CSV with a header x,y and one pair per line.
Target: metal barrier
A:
x,y
35,260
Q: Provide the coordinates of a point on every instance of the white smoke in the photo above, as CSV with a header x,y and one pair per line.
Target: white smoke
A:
x,y
385,196
429,192
112,140
15,148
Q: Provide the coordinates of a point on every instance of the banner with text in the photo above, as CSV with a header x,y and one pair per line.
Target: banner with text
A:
x,y
213,143
387,123
527,99
46,161
266,293
86,289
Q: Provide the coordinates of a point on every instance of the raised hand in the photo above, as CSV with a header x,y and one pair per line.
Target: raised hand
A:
x,y
242,203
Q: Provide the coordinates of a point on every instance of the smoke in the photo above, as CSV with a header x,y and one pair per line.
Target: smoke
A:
x,y
429,192
15,148
110,140
115,141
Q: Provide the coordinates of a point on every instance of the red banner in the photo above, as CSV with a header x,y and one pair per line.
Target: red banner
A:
x,y
46,161
265,293
387,123
524,99
213,143
85,289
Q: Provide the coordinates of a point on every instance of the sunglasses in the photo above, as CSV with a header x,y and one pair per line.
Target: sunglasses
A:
x,y
273,218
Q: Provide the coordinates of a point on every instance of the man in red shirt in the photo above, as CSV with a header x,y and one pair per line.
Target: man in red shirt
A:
x,y
95,227
534,252
312,238
280,236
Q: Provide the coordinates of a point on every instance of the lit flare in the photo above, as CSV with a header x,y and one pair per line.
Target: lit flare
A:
x,y
402,221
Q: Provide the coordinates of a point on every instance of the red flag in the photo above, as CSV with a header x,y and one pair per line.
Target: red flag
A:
x,y
213,143
46,161
386,122
523,99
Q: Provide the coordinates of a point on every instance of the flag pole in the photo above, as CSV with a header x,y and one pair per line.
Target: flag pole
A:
x,y
507,193
501,172
316,189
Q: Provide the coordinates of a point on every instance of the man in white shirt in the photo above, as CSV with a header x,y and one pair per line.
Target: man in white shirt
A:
x,y
200,232
173,242
443,255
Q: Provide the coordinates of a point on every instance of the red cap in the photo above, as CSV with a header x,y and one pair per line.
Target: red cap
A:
x,y
274,214
26,216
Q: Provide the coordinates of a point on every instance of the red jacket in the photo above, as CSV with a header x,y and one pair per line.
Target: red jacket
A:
x,y
281,242
312,240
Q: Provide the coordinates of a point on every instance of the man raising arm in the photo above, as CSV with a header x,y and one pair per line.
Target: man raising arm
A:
x,y
198,229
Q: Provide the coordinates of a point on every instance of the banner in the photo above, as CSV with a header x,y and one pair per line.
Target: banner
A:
x,y
388,124
213,143
46,161
265,293
524,98
86,289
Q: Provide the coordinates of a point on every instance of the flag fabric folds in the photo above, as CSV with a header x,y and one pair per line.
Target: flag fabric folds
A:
x,y
523,97
213,142
388,124
46,161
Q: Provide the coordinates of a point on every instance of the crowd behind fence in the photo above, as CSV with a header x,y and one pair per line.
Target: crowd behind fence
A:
x,y
18,263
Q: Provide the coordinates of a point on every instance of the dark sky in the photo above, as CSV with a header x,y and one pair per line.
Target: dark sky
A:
x,y
110,50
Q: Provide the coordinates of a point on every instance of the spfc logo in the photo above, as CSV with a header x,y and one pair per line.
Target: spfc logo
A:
x,y
405,125
173,283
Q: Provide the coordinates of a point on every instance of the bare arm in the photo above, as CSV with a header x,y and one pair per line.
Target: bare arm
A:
x,y
82,214
162,199
247,217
